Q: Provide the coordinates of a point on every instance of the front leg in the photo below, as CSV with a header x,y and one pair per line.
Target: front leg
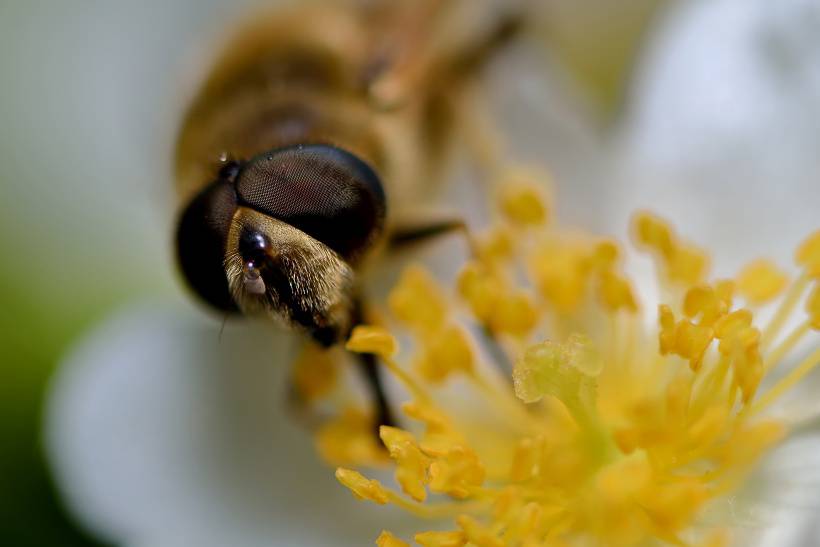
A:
x,y
372,375
406,235
370,367
400,238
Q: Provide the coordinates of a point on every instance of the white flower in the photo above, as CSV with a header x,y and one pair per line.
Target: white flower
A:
x,y
163,431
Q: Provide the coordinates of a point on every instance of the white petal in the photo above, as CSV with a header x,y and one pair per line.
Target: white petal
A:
x,y
780,504
162,433
722,139
722,134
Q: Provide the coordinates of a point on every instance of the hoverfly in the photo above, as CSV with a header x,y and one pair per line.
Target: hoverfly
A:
x,y
314,126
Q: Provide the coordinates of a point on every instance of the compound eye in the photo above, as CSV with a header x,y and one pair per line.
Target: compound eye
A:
x,y
324,191
201,242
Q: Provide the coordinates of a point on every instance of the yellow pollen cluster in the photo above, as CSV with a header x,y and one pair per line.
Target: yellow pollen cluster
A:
x,y
601,430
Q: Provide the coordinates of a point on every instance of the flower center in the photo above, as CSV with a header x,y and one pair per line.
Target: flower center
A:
x,y
610,431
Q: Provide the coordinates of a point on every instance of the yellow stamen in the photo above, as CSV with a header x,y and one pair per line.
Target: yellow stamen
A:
x,y
790,380
362,488
612,432
688,265
478,534
348,440
515,314
761,281
457,472
786,346
437,511
497,246
784,310
808,255
813,307
376,340
653,233
447,352
417,301
441,539
522,201
561,274
315,372
506,403
386,539
481,290
409,382
616,293
411,464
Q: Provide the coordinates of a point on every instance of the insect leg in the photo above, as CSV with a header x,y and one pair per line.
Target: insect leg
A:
x,y
368,364
404,236
476,55
372,375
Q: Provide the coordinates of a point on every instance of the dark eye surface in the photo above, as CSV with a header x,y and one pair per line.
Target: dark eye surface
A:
x,y
253,246
201,242
326,192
